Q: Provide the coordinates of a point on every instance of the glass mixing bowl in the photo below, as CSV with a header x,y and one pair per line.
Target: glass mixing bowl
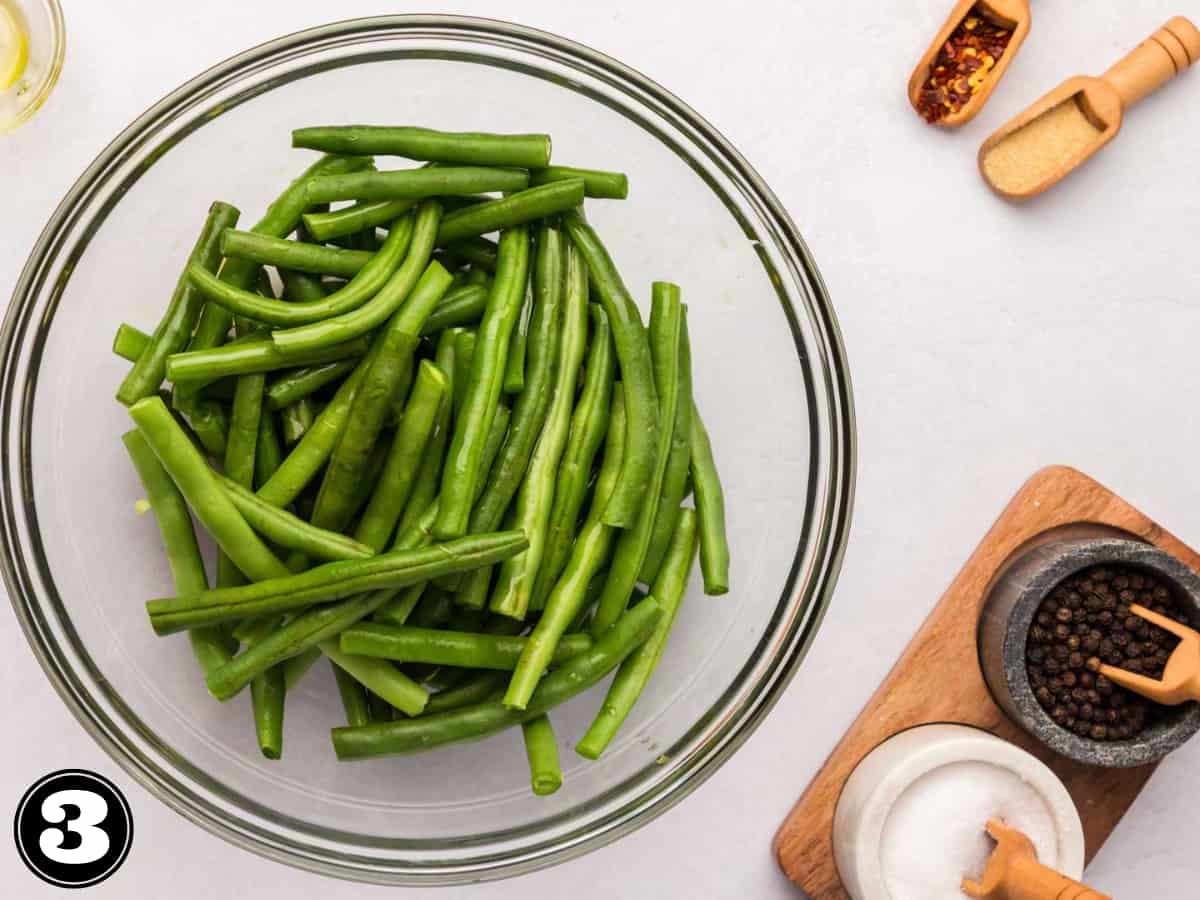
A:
x,y
770,376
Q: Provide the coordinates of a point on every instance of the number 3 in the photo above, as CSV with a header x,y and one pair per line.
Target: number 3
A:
x,y
93,842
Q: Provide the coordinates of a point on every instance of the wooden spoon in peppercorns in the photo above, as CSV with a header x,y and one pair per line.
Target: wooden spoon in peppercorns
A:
x,y
967,59
1180,680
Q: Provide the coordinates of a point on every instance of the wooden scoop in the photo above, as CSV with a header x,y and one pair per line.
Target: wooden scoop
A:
x,y
1056,148
1181,677
1014,873
1012,14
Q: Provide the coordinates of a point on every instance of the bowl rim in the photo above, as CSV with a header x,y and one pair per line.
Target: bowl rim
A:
x,y
826,535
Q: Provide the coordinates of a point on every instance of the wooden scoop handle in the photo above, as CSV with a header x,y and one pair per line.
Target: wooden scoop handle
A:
x,y
1030,880
1156,61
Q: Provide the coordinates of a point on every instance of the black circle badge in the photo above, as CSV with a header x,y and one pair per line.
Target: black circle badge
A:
x,y
73,828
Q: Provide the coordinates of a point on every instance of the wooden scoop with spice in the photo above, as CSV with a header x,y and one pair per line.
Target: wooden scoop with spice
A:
x,y
967,59
1065,128
1014,873
1180,680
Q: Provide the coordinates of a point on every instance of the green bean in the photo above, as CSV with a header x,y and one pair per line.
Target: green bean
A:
x,y
280,219
596,183
404,458
461,469
206,420
396,609
293,255
532,404
199,486
240,456
523,150
295,385
514,369
301,287
507,212
297,666
572,593
423,644
390,297
365,285
434,610
476,689
314,449
380,678
290,532
478,251
479,720
428,477
541,748
465,341
295,420
182,313
130,342
710,507
268,454
477,276
589,423
678,462
331,581
326,225
360,492
421,183
258,355
381,710
631,678
514,586
461,306
267,693
637,374
210,646
353,694
666,326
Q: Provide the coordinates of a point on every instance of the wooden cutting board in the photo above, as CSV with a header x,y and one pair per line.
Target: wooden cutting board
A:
x,y
943,652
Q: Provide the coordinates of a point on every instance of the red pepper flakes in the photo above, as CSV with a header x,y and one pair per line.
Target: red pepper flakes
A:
x,y
962,65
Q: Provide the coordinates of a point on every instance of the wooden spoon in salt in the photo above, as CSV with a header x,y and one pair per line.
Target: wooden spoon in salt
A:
x,y
1065,128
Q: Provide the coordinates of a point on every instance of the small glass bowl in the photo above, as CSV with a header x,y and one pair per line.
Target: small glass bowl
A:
x,y
46,36
770,374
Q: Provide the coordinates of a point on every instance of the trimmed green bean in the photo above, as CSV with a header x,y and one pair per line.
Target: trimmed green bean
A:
x,y
295,420
435,609
514,369
210,646
572,593
365,285
637,374
326,225
589,423
293,255
391,296
478,251
515,209
291,532
477,276
377,523
541,749
267,694
280,219
631,678
428,478
523,150
290,387
331,581
460,471
710,507
417,644
666,326
482,719
297,666
406,184
380,678
130,342
242,444
268,453
199,486
465,340
461,306
314,449
182,313
514,587
476,689
596,183
674,483
353,694
248,357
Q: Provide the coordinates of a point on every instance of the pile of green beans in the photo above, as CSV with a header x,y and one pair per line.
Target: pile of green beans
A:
x,y
422,419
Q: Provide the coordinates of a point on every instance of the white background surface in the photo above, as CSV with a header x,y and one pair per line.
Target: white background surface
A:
x,y
985,341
